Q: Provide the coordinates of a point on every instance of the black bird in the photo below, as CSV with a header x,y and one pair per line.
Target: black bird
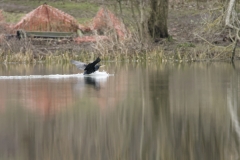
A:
x,y
88,68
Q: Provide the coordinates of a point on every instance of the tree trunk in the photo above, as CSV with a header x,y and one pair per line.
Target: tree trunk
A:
x,y
157,23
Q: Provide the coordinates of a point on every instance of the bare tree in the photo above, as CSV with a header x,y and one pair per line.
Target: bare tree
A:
x,y
150,18
139,15
233,22
157,23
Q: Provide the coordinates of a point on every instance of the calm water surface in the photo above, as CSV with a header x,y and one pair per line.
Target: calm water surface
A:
x,y
146,111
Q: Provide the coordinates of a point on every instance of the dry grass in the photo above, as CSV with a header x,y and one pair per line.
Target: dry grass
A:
x,y
110,51
32,51
203,43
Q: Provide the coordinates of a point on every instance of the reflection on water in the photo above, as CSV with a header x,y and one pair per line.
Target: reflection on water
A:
x,y
145,111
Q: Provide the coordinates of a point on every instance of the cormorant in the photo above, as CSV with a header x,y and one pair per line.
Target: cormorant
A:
x,y
88,68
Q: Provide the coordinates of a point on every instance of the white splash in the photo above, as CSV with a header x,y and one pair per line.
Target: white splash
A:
x,y
96,75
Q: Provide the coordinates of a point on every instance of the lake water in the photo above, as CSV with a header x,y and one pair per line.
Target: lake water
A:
x,y
142,111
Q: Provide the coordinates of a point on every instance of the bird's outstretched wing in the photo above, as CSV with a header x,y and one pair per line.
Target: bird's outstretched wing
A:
x,y
79,65
91,65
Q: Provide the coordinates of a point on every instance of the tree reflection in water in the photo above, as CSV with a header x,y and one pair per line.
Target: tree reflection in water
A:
x,y
145,111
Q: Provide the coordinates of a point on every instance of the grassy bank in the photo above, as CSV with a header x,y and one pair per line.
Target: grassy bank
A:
x,y
158,54
29,57
195,36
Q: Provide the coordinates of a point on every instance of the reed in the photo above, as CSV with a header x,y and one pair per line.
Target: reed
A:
x,y
159,54
26,51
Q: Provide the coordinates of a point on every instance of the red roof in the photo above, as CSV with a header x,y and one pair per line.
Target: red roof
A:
x,y
47,18
106,19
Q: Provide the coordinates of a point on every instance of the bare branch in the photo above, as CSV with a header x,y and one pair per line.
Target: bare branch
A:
x,y
229,12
